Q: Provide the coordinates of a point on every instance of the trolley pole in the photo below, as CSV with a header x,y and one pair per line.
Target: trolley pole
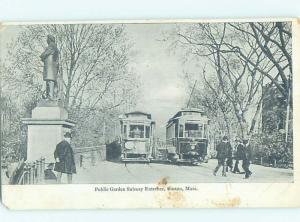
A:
x,y
188,104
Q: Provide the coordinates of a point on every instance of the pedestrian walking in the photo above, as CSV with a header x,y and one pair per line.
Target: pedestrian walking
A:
x,y
64,158
229,161
247,157
238,155
223,150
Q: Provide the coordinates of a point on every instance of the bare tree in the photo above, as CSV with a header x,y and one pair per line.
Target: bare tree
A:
x,y
93,58
237,80
93,70
274,41
216,105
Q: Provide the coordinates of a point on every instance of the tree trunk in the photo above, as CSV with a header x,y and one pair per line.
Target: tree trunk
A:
x,y
255,117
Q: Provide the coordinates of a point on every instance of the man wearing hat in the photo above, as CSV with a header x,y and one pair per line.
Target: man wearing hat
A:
x,y
238,155
64,158
247,157
223,153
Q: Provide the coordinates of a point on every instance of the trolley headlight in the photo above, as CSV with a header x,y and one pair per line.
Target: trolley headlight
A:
x,y
129,145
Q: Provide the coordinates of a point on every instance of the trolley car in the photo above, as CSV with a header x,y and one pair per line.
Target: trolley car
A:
x,y
136,137
187,136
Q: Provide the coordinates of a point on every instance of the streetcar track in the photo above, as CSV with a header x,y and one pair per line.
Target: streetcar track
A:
x,y
127,169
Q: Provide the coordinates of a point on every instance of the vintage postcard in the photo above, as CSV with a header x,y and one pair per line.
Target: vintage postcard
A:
x,y
150,114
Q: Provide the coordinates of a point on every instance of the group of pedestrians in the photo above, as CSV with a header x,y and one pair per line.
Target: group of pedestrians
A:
x,y
226,157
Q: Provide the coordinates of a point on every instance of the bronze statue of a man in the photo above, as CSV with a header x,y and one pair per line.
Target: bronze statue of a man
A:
x,y
50,59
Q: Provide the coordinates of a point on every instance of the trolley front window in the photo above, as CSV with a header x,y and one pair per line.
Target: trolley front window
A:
x,y
194,130
136,131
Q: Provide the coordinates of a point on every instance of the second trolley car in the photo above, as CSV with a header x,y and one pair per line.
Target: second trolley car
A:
x,y
137,130
187,136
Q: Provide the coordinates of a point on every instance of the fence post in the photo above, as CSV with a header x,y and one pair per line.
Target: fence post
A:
x,y
80,160
26,175
261,161
33,173
38,165
29,174
42,168
23,181
40,173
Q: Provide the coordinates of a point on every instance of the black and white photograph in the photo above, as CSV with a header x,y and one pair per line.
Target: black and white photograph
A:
x,y
146,103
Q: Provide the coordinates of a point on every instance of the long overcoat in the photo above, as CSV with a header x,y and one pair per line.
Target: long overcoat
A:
x,y
50,59
247,153
64,153
224,150
239,155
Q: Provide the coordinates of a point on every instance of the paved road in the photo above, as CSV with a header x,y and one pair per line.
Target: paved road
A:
x,y
114,172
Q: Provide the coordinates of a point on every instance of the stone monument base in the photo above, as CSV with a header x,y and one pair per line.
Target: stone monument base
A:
x,y
45,129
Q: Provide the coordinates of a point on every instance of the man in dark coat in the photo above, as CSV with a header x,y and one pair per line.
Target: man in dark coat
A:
x,y
247,157
229,161
238,155
64,158
223,152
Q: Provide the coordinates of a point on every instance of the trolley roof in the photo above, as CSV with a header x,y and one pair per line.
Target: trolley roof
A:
x,y
138,113
136,116
190,110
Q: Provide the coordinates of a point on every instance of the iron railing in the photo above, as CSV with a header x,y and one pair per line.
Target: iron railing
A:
x,y
29,173
89,156
34,172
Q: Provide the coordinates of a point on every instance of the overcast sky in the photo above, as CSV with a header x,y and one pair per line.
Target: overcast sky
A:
x,y
163,91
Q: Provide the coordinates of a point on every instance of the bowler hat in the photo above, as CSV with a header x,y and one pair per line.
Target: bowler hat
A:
x,y
225,137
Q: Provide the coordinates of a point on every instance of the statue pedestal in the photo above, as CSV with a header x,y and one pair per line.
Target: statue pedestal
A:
x,y
46,128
